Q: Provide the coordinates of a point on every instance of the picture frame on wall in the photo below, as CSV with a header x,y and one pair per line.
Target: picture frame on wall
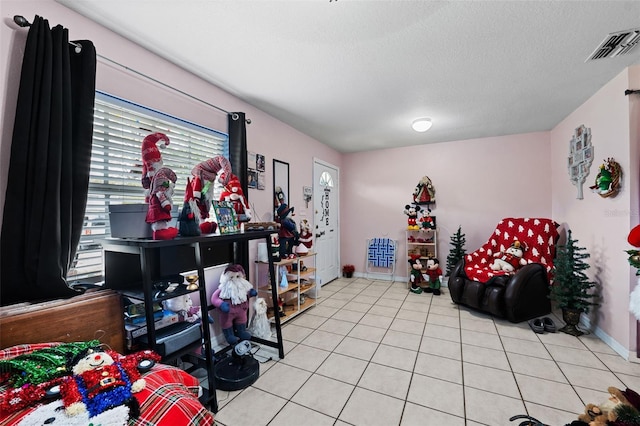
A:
x,y
225,217
252,179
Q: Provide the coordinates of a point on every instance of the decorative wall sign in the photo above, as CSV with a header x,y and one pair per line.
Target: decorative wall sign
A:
x,y
608,179
580,157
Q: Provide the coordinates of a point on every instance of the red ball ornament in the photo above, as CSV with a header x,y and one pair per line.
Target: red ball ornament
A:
x,y
634,236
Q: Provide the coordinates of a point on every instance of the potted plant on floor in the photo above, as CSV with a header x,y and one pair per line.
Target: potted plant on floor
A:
x,y
347,271
571,288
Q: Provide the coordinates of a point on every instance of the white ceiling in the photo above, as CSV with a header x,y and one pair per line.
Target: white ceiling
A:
x,y
354,74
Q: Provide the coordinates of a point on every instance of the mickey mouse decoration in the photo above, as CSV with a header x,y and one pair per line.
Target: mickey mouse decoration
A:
x,y
411,210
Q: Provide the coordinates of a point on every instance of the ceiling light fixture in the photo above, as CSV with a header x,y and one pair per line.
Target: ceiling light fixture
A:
x,y
421,124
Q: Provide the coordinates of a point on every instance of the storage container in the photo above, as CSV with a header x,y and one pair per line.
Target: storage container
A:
x,y
128,220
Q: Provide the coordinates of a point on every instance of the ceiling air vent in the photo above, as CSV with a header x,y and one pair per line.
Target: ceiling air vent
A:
x,y
616,44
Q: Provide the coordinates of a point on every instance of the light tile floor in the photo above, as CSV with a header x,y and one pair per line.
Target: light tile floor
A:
x,y
372,353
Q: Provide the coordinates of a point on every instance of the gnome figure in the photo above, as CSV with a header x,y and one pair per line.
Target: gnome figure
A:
x,y
189,226
233,193
159,182
204,177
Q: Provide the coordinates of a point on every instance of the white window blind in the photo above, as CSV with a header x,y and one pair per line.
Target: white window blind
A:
x,y
116,166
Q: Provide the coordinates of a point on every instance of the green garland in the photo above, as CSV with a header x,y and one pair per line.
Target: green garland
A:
x,y
45,364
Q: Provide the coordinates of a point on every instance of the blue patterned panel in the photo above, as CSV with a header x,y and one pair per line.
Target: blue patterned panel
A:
x,y
382,252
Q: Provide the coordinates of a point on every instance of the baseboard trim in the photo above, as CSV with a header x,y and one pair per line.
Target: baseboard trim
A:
x,y
608,340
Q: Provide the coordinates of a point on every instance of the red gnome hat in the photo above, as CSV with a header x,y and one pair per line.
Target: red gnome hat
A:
x,y
150,151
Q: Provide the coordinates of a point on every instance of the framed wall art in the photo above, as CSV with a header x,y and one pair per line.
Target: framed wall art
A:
x,y
580,157
225,216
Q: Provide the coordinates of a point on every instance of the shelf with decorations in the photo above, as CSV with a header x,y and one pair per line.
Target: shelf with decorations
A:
x,y
301,291
422,242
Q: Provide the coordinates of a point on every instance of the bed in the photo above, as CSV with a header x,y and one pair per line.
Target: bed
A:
x,y
170,396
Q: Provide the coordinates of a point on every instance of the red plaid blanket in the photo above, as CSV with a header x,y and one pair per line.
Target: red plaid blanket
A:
x,y
538,235
169,398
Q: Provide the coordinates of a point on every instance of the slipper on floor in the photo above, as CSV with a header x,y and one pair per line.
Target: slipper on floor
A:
x,y
549,325
537,325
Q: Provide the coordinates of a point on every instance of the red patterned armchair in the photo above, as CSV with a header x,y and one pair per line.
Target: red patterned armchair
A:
x,y
517,296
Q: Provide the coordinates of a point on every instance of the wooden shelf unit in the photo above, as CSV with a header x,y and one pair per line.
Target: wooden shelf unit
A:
x,y
301,293
423,242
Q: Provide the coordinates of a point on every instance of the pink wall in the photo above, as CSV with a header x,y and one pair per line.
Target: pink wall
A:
x,y
477,181
265,134
601,225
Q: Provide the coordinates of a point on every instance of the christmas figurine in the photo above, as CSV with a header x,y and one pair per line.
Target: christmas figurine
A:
x,y
434,273
233,193
159,182
189,226
415,276
306,237
204,176
232,298
288,233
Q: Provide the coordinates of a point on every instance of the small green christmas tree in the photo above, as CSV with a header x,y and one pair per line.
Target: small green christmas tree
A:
x,y
457,251
571,286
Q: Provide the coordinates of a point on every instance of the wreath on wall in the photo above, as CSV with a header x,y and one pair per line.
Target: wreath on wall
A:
x,y
607,182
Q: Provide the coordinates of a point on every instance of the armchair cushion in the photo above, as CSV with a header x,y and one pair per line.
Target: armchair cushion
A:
x,y
537,234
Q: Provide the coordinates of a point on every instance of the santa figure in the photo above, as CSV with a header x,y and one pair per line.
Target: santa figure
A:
x,y
233,193
159,181
306,237
232,298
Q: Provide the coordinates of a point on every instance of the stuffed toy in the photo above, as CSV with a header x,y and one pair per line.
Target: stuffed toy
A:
x,y
621,409
232,298
260,326
204,176
288,233
434,273
427,221
305,238
53,413
183,305
424,192
103,380
233,193
189,226
158,181
412,216
510,259
415,276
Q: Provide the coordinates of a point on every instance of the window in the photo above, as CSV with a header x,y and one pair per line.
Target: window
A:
x,y
116,167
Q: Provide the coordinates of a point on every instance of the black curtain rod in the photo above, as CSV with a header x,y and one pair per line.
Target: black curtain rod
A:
x,y
23,22
630,92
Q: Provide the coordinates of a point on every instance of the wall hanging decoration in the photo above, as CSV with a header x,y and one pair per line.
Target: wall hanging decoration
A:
x,y
608,179
580,157
424,192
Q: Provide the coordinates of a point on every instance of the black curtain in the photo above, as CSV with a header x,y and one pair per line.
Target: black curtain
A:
x,y
238,158
48,176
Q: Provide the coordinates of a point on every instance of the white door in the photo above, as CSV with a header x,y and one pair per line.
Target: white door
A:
x,y
326,210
